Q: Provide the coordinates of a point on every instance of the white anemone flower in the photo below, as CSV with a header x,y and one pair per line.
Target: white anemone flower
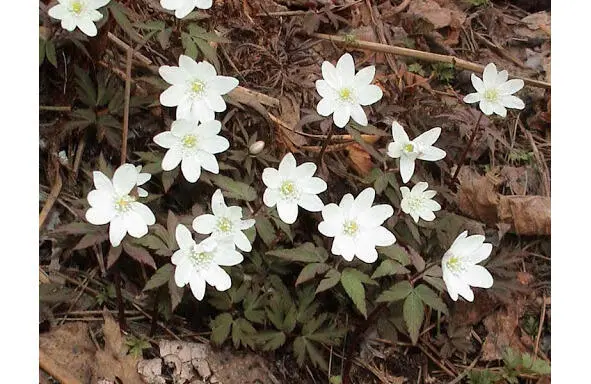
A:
x,y
357,226
78,13
226,224
142,178
195,89
193,145
291,186
494,92
418,202
112,202
182,8
197,264
460,269
344,92
409,150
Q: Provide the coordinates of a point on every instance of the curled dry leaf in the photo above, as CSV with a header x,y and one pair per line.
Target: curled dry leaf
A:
x,y
527,215
360,159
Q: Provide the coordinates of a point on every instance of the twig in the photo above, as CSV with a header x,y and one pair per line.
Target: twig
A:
x,y
65,108
421,55
437,362
324,145
466,371
126,107
467,149
55,191
121,44
49,365
540,326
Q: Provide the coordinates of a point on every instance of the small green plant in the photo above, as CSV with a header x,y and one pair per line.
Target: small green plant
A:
x,y
444,72
416,68
137,345
519,155
478,3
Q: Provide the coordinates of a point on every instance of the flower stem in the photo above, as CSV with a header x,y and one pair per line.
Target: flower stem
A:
x,y
467,149
324,145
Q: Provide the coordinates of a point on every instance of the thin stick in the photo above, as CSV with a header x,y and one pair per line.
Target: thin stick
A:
x,y
540,326
126,107
467,149
55,191
324,145
121,44
421,55
66,108
437,362
466,371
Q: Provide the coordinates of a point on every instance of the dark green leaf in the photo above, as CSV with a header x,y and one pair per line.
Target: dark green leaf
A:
x,y
189,46
50,53
234,189
91,239
271,340
160,277
139,254
331,279
398,292
119,13
310,271
305,253
265,229
389,267
351,282
220,328
395,252
41,51
430,298
413,312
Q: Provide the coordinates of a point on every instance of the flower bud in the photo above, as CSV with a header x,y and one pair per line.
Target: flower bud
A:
x,y
256,147
62,157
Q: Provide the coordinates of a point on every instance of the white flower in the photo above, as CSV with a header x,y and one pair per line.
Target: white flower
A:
x,y
291,186
182,8
459,266
193,145
78,13
196,89
357,226
419,202
112,203
226,224
197,264
142,178
409,150
344,92
494,92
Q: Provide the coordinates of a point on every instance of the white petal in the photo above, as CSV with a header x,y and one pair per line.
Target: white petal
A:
x,y
209,128
217,277
364,76
486,107
59,11
325,90
477,83
510,101
203,4
398,134
502,76
313,185
144,212
376,215
472,98
87,26
480,254
326,106
270,197
330,228
216,144
193,68
466,246
499,110
305,170
407,168
450,283
183,237
204,224
124,179
358,114
183,272
271,177
100,198
369,94
288,211
363,201
341,115
218,205
478,276
329,73
432,154
178,256
465,291
366,251
102,182
173,96
310,202
228,257
208,162
428,138
245,224
333,213
191,169
344,246
117,231
287,165
200,111
346,68
135,224
426,214
197,284
68,23
99,216
242,243
223,84
171,159
395,149
143,178
183,110
173,75
510,86
346,203
382,237
489,77
182,127
216,103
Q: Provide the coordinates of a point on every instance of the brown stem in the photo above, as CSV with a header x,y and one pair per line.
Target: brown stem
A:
x,y
467,149
126,106
324,145
120,304
154,324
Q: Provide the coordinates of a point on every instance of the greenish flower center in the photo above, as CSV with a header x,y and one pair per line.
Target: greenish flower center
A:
x,y
346,94
350,228
224,225
123,203
197,87
416,202
201,260
288,189
491,95
454,264
409,147
77,7
189,141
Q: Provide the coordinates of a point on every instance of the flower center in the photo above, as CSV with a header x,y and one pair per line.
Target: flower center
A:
x,y
416,202
491,95
346,94
76,7
123,203
224,225
288,189
189,141
350,228
200,260
409,147
197,86
454,264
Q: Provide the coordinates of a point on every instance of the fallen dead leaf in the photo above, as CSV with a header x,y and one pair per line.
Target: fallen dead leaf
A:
x,y
502,332
360,159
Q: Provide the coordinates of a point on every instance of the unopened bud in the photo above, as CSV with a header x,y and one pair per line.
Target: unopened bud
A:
x,y
256,147
62,157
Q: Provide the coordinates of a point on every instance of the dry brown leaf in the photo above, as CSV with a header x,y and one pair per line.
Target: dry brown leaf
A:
x,y
112,362
290,115
360,159
528,215
431,11
502,332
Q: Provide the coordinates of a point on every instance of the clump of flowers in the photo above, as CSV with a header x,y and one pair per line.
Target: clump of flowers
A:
x,y
182,8
291,186
344,92
113,202
78,13
418,202
494,92
357,226
196,89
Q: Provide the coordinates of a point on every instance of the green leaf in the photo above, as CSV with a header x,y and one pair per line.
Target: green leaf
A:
x,y
305,253
168,178
50,53
395,252
189,46
242,332
265,230
389,267
254,308
76,228
369,148
271,340
119,13
208,51
234,189
91,239
176,293
286,228
398,292
429,297
413,312
352,283
41,51
331,279
139,254
310,271
160,277
220,328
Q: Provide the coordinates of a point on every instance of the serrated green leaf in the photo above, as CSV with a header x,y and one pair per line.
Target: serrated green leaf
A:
x,y
220,328
91,239
305,253
413,312
176,293
208,51
395,252
234,189
189,45
429,297
50,53
380,184
271,340
389,267
310,271
351,282
286,228
253,308
242,331
265,229
139,254
398,291
76,229
160,277
299,350
331,279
